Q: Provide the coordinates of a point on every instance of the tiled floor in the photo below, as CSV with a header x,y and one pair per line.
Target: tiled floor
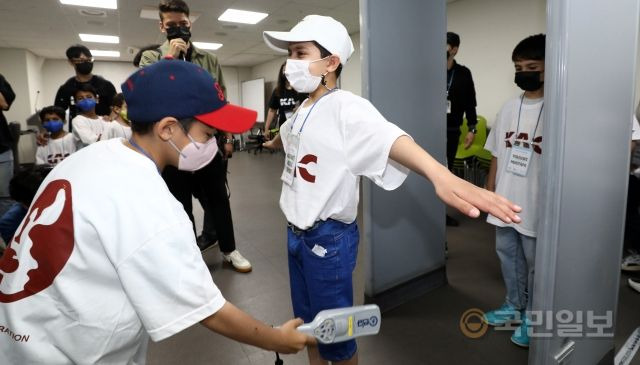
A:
x,y
424,331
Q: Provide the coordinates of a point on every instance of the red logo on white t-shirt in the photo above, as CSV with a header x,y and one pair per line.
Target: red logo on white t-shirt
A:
x,y
41,247
304,173
524,139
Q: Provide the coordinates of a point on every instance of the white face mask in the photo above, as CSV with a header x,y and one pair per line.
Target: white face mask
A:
x,y
299,76
196,155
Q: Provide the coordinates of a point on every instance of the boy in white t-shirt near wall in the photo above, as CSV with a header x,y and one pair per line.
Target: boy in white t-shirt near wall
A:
x,y
334,138
61,143
516,145
88,127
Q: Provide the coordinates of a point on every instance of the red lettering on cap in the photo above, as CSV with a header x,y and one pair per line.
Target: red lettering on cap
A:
x,y
171,77
220,92
141,72
130,84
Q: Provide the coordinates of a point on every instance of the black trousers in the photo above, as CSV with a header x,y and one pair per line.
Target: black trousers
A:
x,y
452,146
632,223
208,185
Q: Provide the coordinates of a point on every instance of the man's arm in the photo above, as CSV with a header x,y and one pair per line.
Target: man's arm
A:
x,y
275,143
460,194
470,109
6,93
233,323
149,57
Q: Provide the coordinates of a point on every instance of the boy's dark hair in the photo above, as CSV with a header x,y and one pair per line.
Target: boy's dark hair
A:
x,y
146,128
324,53
453,39
138,56
51,110
118,100
530,48
86,88
24,184
173,6
76,50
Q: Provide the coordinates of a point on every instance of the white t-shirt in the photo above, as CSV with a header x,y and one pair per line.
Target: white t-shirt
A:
x,y
88,131
56,150
109,261
635,129
344,137
520,190
117,130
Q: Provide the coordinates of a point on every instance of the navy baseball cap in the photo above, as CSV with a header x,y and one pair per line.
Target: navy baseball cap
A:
x,y
173,88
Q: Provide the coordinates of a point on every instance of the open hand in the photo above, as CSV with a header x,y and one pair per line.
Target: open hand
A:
x,y
470,199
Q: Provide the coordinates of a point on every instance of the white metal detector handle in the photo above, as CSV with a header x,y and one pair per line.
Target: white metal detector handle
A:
x,y
343,324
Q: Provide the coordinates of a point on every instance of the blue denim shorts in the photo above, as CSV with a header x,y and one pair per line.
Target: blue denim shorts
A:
x,y
321,264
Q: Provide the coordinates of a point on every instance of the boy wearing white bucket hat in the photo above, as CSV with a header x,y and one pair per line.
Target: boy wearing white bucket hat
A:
x,y
334,138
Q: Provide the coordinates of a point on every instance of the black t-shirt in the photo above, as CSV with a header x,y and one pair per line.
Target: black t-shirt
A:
x,y
462,95
285,103
9,96
103,87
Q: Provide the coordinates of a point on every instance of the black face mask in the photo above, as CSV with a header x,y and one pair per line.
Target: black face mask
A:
x,y
179,32
528,80
84,68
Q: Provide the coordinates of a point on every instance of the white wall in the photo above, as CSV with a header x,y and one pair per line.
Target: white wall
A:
x,y
489,30
13,66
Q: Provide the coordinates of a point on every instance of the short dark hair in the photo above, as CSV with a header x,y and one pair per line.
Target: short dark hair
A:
x,y
453,39
173,6
138,56
530,48
24,184
118,100
51,110
146,128
325,53
86,88
76,50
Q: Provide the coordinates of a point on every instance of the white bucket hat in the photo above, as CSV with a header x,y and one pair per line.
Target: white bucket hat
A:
x,y
325,30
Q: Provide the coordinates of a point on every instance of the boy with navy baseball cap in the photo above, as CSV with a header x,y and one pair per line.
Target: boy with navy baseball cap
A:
x,y
109,255
334,138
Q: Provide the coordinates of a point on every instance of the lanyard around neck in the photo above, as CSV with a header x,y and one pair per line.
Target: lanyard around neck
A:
x,y
142,150
537,122
453,73
308,114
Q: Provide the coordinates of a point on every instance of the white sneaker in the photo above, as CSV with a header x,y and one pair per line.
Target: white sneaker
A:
x,y
635,284
631,263
238,261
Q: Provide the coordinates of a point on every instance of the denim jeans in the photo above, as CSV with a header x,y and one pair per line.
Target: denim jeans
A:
x,y
517,254
321,264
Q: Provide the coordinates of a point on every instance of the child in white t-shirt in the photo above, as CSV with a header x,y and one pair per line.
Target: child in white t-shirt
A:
x,y
516,145
61,144
119,126
88,127
334,138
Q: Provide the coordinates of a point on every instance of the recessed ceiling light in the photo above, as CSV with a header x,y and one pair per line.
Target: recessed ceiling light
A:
x,y
101,53
105,4
99,38
242,16
206,45
149,12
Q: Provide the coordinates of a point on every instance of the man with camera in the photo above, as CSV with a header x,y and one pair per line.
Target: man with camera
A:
x,y
209,183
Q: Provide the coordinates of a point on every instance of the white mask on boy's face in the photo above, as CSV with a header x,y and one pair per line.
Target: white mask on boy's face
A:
x,y
299,76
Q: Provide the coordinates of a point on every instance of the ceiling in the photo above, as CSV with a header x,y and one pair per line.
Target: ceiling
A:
x,y
47,28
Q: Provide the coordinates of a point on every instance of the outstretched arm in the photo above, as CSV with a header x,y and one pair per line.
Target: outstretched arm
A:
x,y
231,322
464,196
